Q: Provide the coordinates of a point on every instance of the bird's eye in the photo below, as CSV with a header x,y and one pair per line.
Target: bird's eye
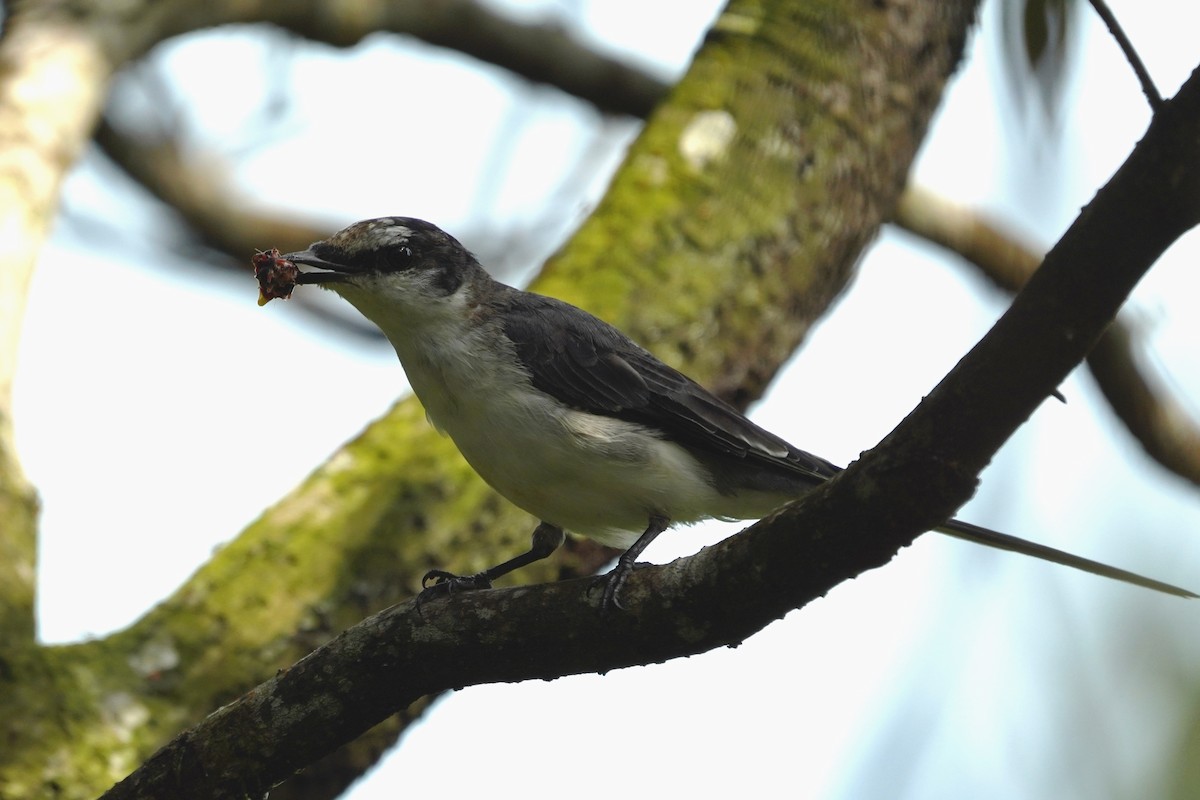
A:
x,y
406,251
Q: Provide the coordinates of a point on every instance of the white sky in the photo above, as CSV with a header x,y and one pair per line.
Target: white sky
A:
x,y
952,672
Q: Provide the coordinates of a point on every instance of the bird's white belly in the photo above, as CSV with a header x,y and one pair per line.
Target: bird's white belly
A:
x,y
598,476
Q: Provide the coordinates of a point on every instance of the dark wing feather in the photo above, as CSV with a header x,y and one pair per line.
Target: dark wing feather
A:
x,y
591,366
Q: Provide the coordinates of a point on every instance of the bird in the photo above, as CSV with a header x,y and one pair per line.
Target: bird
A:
x,y
566,416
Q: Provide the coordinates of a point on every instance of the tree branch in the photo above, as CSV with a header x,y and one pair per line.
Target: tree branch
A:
x,y
1148,411
915,478
1131,55
543,53
203,195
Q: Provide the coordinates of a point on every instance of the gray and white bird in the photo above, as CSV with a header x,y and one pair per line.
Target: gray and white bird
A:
x,y
564,415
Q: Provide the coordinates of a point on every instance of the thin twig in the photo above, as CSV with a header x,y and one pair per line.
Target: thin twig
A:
x,y
1135,61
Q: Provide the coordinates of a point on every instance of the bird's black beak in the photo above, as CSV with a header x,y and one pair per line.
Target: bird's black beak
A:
x,y
330,271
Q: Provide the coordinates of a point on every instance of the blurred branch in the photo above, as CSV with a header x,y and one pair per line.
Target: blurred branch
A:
x,y
544,53
1152,415
202,195
999,256
53,80
916,477
1161,424
198,191
1131,55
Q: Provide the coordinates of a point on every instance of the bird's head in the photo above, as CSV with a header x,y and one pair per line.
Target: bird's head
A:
x,y
389,265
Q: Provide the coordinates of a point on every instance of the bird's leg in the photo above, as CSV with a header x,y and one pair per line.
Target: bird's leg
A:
x,y
545,540
628,560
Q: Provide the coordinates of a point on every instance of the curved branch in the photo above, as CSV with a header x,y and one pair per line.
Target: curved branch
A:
x,y
1156,419
1131,55
202,195
544,53
1165,429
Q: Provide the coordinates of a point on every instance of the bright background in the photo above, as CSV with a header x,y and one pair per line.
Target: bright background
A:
x,y
952,672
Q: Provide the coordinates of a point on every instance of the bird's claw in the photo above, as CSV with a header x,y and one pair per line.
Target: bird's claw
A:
x,y
445,584
614,581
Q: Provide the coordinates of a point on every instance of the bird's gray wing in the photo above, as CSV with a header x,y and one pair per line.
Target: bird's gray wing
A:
x,y
591,366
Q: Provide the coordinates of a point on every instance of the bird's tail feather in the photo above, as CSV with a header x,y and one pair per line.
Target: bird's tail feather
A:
x,y
1002,541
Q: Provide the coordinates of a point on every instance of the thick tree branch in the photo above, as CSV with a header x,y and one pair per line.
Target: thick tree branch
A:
x,y
1163,427
916,477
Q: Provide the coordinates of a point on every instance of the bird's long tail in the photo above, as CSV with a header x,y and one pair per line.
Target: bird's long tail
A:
x,y
1002,541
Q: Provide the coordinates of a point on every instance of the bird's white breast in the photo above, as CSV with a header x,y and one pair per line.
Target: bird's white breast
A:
x,y
595,475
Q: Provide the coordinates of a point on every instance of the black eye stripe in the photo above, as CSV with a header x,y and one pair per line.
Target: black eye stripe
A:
x,y
399,245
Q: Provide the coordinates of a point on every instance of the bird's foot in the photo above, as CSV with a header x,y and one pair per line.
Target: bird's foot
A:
x,y
614,581
628,562
439,583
